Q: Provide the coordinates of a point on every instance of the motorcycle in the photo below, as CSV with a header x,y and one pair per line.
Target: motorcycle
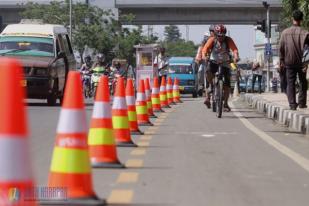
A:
x,y
95,77
113,81
86,81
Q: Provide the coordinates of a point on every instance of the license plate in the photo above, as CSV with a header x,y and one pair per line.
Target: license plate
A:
x,y
23,83
181,88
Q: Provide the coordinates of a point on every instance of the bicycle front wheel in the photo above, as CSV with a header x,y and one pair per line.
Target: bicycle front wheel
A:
x,y
219,98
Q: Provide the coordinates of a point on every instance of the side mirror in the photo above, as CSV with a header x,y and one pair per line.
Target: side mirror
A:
x,y
60,55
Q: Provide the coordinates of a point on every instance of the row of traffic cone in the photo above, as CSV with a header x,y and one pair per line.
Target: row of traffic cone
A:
x,y
73,153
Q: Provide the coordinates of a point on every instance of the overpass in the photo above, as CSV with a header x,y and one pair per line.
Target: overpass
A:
x,y
162,12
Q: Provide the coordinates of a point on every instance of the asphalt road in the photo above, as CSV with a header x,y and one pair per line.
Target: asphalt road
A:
x,y
190,157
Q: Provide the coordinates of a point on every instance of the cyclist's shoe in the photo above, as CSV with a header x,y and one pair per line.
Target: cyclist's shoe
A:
x,y
226,108
207,103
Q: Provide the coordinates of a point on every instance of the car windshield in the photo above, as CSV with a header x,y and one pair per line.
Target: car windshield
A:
x,y
27,46
180,69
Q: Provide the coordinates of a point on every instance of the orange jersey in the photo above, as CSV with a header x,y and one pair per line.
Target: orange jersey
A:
x,y
211,42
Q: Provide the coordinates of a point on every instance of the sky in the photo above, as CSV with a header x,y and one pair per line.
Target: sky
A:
x,y
243,35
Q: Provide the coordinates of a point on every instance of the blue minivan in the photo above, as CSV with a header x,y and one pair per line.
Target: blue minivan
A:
x,y
185,69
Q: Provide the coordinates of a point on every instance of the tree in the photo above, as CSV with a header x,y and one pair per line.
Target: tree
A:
x,y
289,6
181,48
171,33
91,26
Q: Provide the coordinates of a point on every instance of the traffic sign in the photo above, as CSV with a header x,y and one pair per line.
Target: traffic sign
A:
x,y
268,49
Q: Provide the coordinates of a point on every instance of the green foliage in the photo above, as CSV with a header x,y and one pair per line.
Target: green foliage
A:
x,y
171,33
289,6
91,27
180,48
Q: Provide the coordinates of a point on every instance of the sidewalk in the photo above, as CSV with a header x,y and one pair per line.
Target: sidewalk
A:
x,y
275,106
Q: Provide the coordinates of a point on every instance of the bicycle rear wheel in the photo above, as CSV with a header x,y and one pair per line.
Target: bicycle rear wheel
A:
x,y
219,98
214,96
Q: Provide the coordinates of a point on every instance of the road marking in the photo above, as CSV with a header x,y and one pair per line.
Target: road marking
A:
x,y
138,151
208,135
152,128
134,163
143,144
146,137
120,196
300,160
160,120
127,177
158,123
149,132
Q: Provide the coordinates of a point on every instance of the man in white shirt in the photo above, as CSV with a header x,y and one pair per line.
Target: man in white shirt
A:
x,y
162,63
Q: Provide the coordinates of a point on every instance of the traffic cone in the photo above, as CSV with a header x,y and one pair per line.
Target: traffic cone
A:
x,y
70,166
169,91
163,96
148,98
155,96
130,98
236,91
120,116
101,138
15,172
141,106
176,93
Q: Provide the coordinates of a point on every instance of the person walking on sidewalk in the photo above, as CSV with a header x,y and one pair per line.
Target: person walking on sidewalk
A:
x,y
256,74
291,45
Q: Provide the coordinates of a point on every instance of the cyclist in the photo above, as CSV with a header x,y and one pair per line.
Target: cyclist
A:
x,y
207,35
217,49
198,57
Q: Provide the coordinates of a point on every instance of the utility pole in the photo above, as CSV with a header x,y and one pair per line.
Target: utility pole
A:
x,y
268,35
187,32
71,20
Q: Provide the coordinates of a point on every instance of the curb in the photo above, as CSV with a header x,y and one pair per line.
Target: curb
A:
x,y
297,121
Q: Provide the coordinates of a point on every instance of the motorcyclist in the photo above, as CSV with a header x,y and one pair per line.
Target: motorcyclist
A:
x,y
99,66
218,49
118,70
87,65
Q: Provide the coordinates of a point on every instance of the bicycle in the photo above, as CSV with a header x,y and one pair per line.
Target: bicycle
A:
x,y
217,97
218,89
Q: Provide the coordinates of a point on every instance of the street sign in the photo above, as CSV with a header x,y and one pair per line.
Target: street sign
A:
x,y
268,49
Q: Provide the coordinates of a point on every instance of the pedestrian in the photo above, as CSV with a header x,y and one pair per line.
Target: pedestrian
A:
x,y
291,46
257,73
274,83
162,62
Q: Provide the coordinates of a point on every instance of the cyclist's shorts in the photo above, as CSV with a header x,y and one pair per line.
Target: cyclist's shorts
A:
x,y
213,68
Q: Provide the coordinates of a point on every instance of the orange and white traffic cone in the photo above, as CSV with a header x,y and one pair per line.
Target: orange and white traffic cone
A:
x,y
176,93
141,106
155,96
120,116
169,91
70,166
163,96
148,98
15,173
130,98
101,140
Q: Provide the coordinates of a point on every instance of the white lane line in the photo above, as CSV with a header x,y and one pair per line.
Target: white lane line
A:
x,y
300,160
